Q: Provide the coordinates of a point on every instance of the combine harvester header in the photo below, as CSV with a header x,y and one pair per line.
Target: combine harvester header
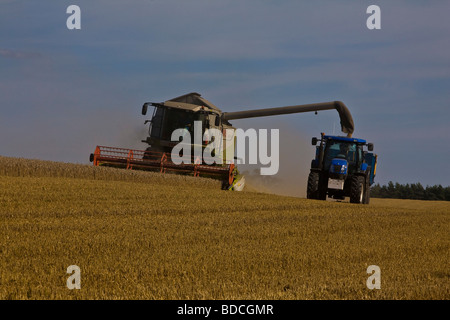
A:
x,y
158,161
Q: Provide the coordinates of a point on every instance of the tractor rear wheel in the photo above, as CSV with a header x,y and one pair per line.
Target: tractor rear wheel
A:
x,y
312,191
367,192
357,189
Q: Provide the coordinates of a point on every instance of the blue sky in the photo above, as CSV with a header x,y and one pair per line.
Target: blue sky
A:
x,y
63,91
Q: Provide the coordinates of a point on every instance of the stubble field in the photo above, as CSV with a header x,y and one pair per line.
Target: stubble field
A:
x,y
139,235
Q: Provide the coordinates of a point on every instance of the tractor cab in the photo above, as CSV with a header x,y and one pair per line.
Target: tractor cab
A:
x,y
339,151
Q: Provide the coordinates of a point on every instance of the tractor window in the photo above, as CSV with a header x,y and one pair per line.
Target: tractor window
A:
x,y
340,149
360,155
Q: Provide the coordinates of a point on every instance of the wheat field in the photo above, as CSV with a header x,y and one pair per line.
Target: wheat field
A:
x,y
141,235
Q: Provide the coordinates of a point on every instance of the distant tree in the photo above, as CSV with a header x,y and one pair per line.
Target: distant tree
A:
x,y
375,191
411,191
441,192
391,192
384,192
417,191
447,194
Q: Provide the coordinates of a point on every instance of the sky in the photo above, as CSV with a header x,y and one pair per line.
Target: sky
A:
x,y
62,92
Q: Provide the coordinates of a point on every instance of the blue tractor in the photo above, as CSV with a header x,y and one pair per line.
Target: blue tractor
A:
x,y
342,168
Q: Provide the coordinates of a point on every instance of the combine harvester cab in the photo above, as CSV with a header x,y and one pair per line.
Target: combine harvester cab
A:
x,y
342,169
189,112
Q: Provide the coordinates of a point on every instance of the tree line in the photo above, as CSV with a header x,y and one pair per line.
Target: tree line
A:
x,y
410,191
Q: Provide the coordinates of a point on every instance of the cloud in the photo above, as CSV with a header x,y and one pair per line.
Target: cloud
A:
x,y
11,54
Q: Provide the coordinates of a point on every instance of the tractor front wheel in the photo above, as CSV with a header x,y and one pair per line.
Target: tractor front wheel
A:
x,y
312,191
357,189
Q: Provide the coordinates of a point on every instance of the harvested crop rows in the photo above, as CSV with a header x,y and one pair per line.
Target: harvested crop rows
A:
x,y
138,235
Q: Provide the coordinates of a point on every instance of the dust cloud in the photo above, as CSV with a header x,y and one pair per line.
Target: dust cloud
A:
x,y
295,156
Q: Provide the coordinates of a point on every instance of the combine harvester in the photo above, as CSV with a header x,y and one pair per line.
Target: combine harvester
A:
x,y
182,112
